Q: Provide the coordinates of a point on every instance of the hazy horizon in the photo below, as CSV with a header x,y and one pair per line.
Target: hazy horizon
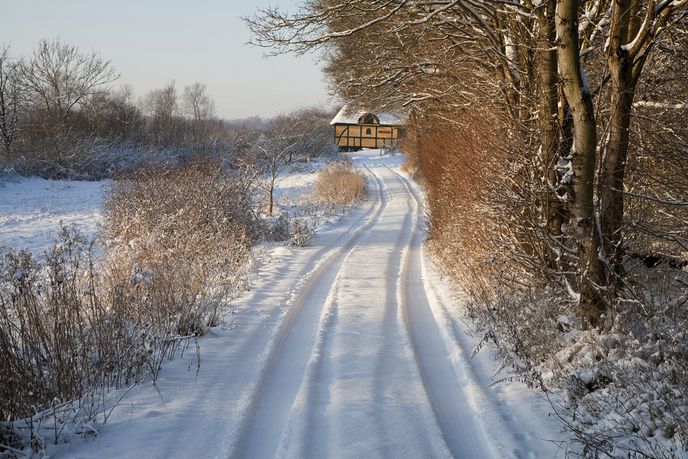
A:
x,y
160,41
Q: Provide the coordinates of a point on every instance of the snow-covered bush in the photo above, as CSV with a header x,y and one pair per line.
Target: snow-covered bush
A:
x,y
298,231
625,393
276,228
178,245
177,240
301,231
340,185
63,344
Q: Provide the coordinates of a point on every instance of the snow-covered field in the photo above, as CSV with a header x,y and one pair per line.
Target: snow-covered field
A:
x,y
350,347
32,210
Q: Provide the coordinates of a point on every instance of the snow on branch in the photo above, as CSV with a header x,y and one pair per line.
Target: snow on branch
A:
x,y
661,105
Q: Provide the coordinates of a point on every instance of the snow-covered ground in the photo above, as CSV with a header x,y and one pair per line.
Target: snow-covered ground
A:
x,y
32,210
351,347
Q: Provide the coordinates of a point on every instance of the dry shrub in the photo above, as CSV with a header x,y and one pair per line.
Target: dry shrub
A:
x,y
62,344
301,231
40,331
481,230
340,184
465,171
181,235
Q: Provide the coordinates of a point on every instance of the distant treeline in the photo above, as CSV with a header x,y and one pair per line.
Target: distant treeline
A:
x,y
61,116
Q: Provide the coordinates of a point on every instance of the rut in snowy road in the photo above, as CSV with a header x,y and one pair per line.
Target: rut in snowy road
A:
x,y
359,366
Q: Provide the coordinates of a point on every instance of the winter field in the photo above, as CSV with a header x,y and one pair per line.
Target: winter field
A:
x,y
350,347
32,209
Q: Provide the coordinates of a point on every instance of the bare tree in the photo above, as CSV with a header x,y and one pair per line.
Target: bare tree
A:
x,y
60,77
634,30
10,98
316,133
161,103
583,159
113,114
162,108
275,153
196,103
271,154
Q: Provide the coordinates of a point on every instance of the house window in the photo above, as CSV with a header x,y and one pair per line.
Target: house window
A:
x,y
368,131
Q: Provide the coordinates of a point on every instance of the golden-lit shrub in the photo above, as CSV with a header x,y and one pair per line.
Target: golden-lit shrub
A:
x,y
461,165
340,184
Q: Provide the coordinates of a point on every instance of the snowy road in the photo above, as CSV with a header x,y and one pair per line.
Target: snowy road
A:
x,y
346,348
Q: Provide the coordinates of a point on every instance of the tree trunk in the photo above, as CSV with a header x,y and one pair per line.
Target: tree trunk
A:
x,y
623,75
7,119
613,171
548,120
591,303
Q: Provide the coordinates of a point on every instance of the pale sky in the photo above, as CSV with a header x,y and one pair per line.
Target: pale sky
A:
x,y
151,42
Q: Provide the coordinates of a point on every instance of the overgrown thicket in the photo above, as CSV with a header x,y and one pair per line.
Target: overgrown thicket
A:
x,y
185,233
61,117
79,323
551,138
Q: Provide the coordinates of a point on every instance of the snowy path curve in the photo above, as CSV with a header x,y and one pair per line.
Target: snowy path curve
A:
x,y
360,367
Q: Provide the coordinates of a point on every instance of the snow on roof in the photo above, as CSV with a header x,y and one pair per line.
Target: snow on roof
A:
x,y
350,116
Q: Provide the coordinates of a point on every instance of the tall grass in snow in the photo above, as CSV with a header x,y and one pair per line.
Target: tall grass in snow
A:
x,y
182,235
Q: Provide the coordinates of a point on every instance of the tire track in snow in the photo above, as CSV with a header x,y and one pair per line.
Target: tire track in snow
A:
x,y
389,330
318,397
509,434
372,400
313,262
321,367
392,334
512,432
462,431
281,378
323,417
